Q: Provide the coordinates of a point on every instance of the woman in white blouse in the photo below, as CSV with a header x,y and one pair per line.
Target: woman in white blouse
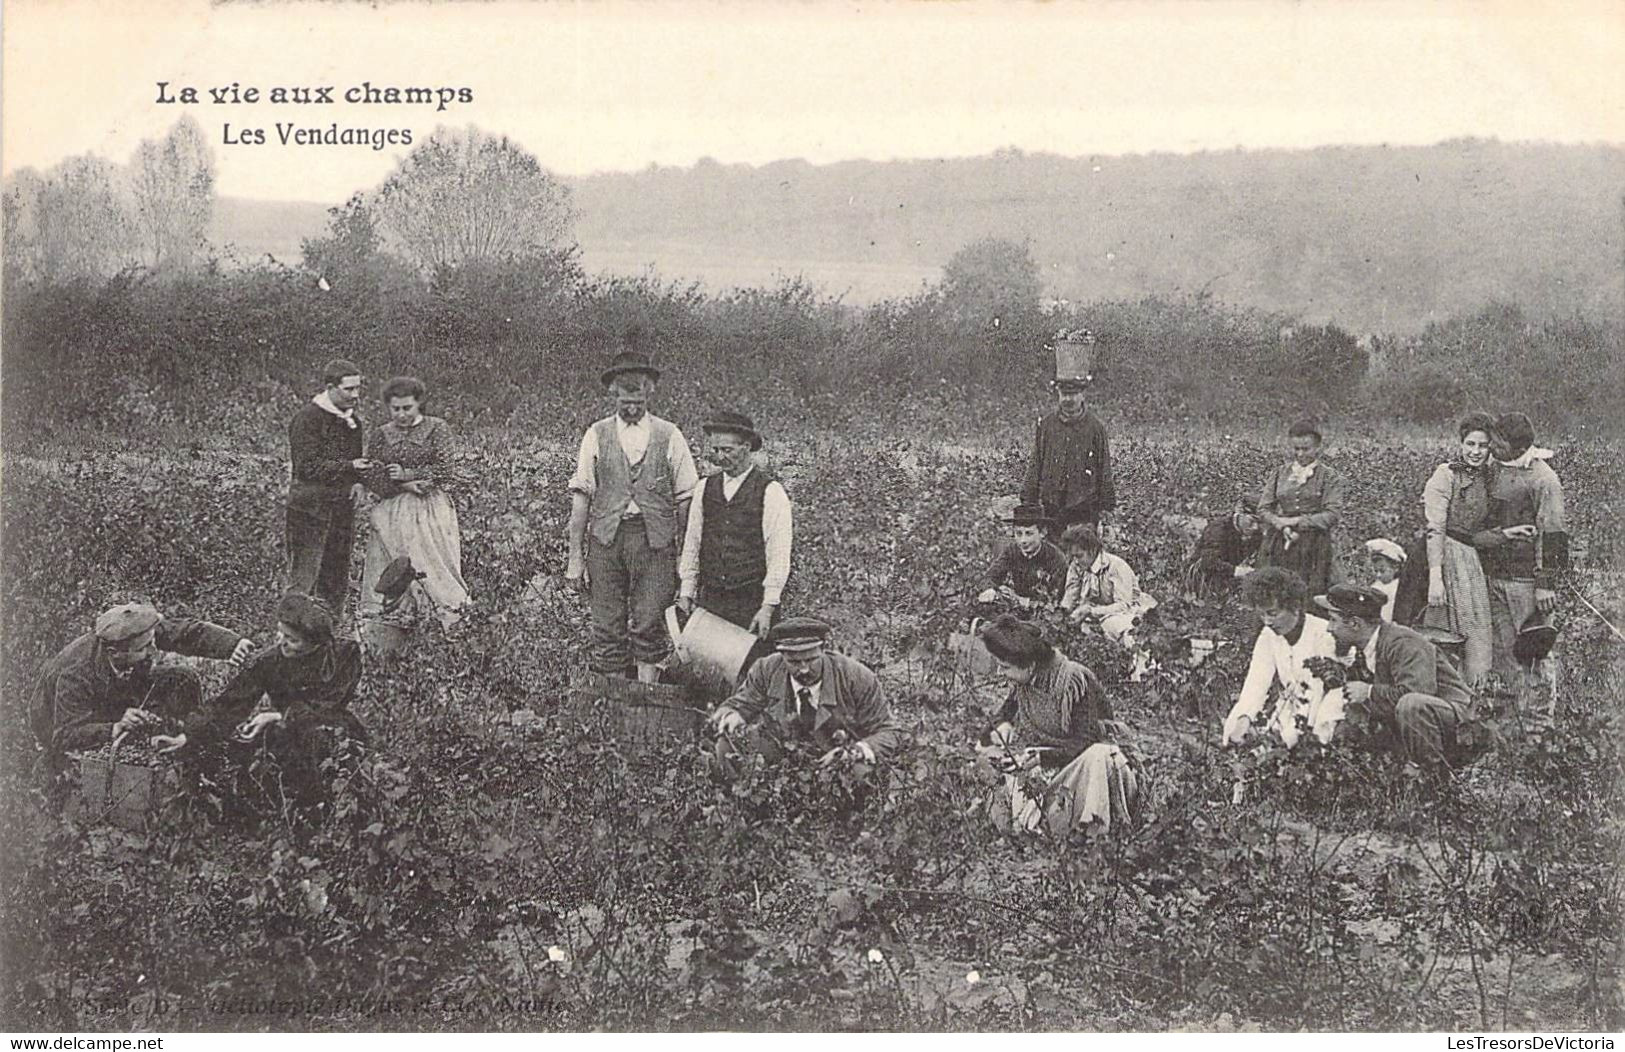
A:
x,y
1289,638
1101,588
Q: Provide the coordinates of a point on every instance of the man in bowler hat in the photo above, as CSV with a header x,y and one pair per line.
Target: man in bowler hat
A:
x,y
629,502
1025,562
736,555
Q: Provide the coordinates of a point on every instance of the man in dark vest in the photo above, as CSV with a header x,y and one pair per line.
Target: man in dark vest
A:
x,y
324,446
736,557
629,502
1070,473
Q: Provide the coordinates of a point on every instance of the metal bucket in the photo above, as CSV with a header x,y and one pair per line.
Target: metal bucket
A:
x,y
1074,360
709,644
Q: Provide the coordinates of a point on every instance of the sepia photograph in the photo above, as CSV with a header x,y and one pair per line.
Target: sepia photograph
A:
x,y
805,517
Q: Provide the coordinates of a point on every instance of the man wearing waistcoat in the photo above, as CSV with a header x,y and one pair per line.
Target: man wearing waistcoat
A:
x,y
324,446
629,500
736,557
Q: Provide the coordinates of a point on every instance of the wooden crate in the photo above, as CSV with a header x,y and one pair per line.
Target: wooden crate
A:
x,y
641,715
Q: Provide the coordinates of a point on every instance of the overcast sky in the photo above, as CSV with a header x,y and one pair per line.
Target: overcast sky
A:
x,y
614,86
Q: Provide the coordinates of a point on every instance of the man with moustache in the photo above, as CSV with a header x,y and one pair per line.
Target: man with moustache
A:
x,y
807,694
324,446
629,503
736,555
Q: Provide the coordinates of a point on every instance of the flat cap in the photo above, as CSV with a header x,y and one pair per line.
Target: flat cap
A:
x,y
126,622
795,634
1353,600
1386,548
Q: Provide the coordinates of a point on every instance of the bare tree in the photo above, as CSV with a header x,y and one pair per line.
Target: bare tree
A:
x,y
72,222
172,180
465,195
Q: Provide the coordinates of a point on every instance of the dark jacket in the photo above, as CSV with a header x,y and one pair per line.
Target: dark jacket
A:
x,y
77,698
1062,709
1408,664
850,699
1070,472
314,688
321,447
1042,575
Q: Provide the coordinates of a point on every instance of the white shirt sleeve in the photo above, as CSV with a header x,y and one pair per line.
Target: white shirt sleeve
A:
x,y
688,564
776,534
1255,688
684,475
585,480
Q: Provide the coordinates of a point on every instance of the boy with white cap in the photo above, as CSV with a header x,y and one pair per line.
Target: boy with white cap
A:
x,y
1387,560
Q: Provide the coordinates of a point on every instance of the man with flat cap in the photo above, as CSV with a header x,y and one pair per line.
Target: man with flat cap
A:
x,y
1412,687
736,556
629,502
105,683
1070,472
805,692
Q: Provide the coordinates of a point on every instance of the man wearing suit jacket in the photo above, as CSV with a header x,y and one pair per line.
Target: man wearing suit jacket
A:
x,y
1413,688
804,692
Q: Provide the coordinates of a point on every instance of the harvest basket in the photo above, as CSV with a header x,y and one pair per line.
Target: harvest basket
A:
x,y
1074,359
641,715
124,792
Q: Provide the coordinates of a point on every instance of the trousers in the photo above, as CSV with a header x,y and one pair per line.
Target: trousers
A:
x,y
319,554
631,584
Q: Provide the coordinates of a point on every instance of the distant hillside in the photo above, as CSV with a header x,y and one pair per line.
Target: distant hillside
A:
x,y
252,229
1372,238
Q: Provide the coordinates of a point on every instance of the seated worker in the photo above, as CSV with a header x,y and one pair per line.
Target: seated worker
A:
x,y
1101,589
804,693
1289,637
1387,560
1412,689
1222,554
308,678
1057,725
1025,563
105,683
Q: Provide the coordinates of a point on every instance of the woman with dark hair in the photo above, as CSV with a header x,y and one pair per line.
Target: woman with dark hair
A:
x,y
307,680
1456,504
1300,503
412,456
1283,654
1056,726
1223,551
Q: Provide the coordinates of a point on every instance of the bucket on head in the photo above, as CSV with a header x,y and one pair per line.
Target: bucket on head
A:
x,y
710,644
1074,359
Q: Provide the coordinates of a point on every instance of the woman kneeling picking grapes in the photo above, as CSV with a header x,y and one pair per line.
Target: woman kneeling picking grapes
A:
x,y
308,679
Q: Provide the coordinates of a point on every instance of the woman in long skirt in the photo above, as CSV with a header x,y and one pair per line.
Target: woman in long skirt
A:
x,y
1456,504
1300,504
1052,741
413,454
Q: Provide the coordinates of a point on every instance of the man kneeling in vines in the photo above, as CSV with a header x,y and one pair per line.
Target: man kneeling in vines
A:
x,y
806,694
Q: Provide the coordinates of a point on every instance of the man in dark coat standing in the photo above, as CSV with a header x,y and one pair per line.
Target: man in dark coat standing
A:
x,y
324,445
1070,473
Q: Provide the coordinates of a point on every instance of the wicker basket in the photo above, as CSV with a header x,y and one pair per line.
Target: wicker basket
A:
x,y
1074,360
123,793
644,716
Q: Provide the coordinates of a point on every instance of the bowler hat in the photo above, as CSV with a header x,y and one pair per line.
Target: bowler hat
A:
x,y
1029,515
799,634
126,622
1353,600
629,362
397,578
734,424
1535,640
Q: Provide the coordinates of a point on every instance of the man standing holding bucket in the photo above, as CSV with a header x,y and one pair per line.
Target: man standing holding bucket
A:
x,y
736,557
1070,473
629,503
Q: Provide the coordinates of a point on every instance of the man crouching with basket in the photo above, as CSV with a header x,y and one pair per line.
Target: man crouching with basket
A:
x,y
805,696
